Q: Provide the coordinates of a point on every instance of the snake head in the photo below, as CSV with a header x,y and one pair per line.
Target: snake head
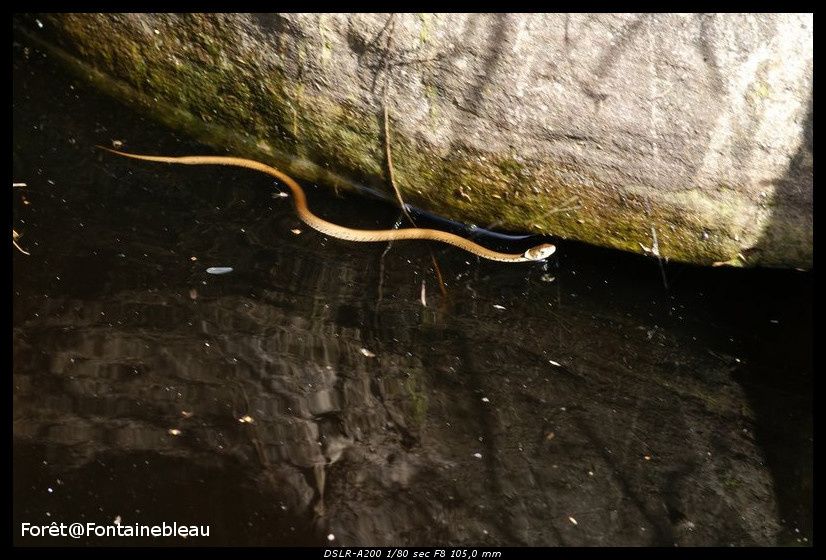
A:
x,y
540,252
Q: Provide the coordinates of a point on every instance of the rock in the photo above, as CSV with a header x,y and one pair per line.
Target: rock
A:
x,y
612,129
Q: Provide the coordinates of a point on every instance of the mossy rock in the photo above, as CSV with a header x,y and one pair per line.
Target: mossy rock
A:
x,y
686,136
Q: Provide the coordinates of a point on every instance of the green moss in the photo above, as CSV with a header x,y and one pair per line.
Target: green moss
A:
x,y
510,168
424,36
355,138
417,399
432,96
528,196
731,483
326,46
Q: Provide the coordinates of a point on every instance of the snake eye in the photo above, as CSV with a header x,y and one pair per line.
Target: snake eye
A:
x,y
540,252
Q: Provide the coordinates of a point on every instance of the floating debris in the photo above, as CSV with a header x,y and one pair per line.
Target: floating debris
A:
x,y
193,259
423,295
187,413
367,353
296,231
219,270
331,537
555,364
549,436
174,432
572,520
117,144
498,306
477,455
247,419
485,399
547,278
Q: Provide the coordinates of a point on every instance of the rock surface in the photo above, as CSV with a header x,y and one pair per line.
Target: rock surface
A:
x,y
687,135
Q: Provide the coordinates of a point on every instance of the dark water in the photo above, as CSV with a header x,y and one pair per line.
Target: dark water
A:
x,y
310,392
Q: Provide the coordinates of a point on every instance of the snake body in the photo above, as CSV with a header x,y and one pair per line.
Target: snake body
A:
x,y
539,252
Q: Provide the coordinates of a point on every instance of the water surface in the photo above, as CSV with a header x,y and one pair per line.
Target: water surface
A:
x,y
324,387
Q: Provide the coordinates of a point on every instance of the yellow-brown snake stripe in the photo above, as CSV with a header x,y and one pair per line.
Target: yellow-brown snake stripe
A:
x,y
537,253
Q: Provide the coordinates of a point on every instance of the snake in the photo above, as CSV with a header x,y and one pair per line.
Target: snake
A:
x,y
537,253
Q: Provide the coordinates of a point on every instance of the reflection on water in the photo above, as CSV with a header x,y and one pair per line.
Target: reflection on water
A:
x,y
311,392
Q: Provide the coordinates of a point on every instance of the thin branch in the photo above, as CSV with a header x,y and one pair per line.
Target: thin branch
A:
x,y
388,152
438,275
655,249
389,157
14,237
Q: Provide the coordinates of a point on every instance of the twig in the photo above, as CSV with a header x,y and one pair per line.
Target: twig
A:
x,y
14,237
381,264
391,23
391,177
438,275
655,246
388,155
19,248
